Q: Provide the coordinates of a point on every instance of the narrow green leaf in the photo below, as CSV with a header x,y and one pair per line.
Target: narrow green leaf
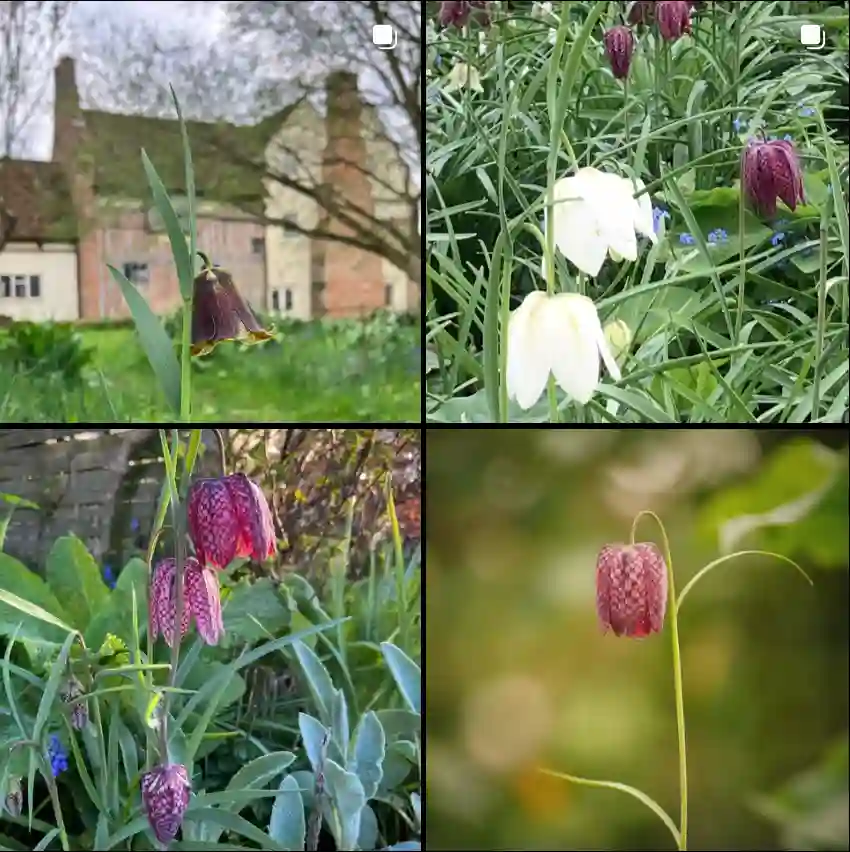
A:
x,y
179,246
287,826
58,671
154,340
369,748
318,680
186,288
7,687
339,722
625,788
406,674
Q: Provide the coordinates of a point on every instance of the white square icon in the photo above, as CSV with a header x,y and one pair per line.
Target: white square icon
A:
x,y
383,36
811,35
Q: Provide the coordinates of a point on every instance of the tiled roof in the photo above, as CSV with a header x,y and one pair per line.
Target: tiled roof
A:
x,y
37,195
116,141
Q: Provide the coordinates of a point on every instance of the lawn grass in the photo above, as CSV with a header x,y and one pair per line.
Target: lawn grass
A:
x,y
327,371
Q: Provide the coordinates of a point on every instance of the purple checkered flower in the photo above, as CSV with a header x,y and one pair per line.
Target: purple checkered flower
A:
x,y
165,795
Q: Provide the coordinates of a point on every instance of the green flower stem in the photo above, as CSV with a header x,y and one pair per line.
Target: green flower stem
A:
x,y
186,364
677,680
742,261
57,807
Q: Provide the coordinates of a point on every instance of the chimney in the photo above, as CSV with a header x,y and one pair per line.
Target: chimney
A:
x,y
353,278
67,116
69,151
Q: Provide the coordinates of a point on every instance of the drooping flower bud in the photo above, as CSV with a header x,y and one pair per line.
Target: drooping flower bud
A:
x,y
14,799
229,517
219,312
71,693
642,12
162,604
204,601
165,795
771,171
456,14
619,45
674,18
631,589
201,601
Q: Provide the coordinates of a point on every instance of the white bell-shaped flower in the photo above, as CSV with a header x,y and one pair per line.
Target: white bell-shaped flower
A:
x,y
595,214
561,335
463,76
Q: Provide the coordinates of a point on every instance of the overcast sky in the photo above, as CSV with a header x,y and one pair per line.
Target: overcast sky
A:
x,y
93,23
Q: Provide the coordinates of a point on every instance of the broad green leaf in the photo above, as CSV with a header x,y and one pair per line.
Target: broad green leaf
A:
x,y
339,722
234,824
406,674
347,800
74,577
369,748
368,837
314,734
155,342
254,611
260,771
117,617
399,724
287,826
318,680
26,599
179,246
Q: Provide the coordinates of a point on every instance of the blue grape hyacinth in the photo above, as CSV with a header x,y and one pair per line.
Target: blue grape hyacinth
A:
x,y
57,756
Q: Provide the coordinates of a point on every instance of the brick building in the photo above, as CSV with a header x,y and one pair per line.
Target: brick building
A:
x,y
92,203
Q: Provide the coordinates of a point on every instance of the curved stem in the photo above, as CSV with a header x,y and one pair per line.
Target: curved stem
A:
x,y
677,679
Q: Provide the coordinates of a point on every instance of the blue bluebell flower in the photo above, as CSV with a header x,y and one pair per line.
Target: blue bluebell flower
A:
x,y
134,525
438,60
738,123
57,756
657,215
109,576
777,238
806,111
718,236
788,137
686,239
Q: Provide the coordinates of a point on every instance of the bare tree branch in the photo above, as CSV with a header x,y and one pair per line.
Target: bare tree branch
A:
x,y
272,55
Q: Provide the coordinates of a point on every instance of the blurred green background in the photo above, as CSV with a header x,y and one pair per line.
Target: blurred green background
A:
x,y
520,675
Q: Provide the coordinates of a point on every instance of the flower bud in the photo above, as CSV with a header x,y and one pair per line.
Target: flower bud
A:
x,y
72,690
674,18
631,589
771,171
619,45
642,12
456,14
165,795
14,799
619,337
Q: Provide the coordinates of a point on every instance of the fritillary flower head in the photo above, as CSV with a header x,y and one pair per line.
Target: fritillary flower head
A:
x,y
229,517
165,796
201,601
770,171
619,45
631,589
673,17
